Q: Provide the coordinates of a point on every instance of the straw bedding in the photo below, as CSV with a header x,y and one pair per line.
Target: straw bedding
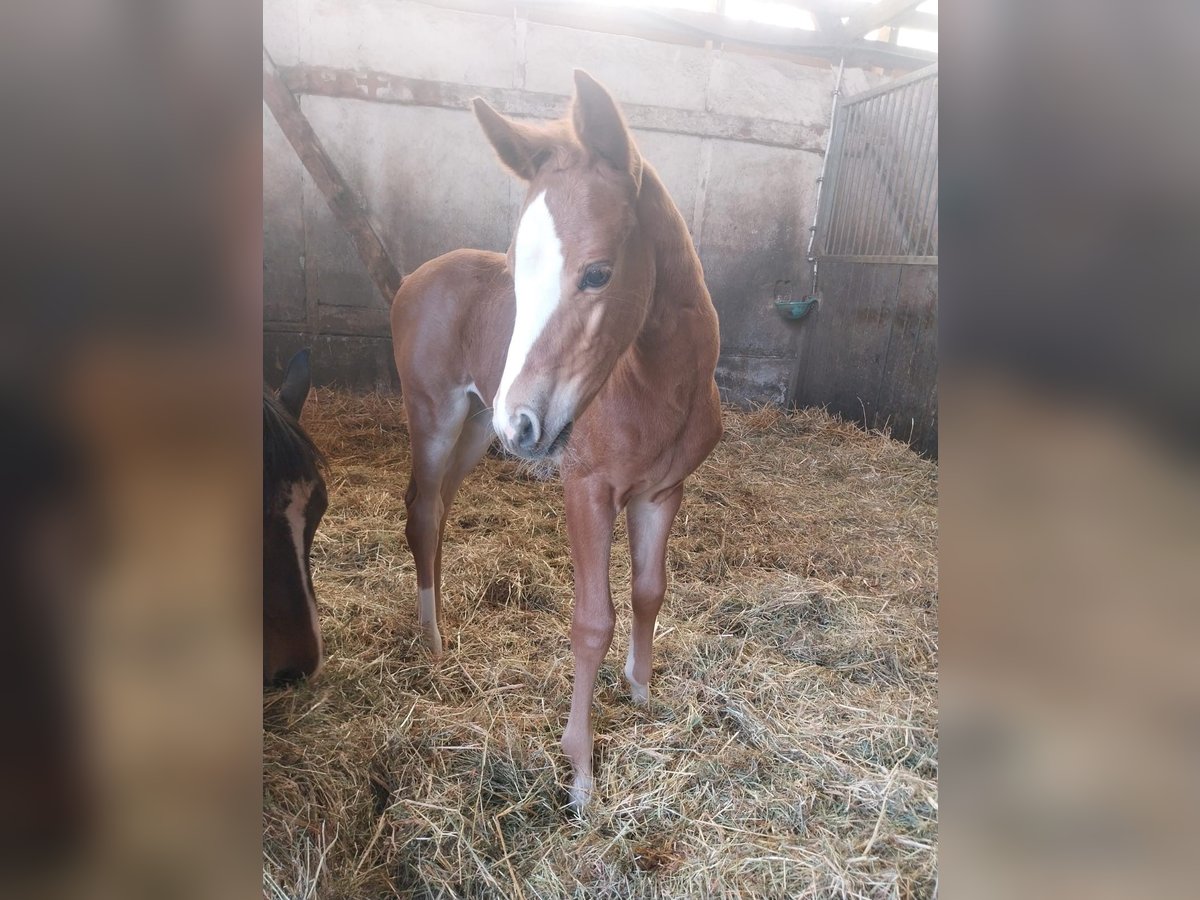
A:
x,y
790,747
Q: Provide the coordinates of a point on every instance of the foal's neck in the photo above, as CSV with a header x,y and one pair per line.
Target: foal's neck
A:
x,y
678,277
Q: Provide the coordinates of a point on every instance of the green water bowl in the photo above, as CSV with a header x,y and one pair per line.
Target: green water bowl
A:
x,y
795,309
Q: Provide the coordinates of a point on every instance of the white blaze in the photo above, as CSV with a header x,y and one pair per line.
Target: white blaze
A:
x,y
297,504
537,280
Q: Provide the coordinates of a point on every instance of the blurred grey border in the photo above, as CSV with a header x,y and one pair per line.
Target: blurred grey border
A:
x,y
1070,412
130,361
132,250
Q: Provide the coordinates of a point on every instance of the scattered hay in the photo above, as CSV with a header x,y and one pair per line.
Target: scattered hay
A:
x,y
790,748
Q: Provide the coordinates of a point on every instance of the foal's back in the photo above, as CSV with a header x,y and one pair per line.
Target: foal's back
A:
x,y
450,325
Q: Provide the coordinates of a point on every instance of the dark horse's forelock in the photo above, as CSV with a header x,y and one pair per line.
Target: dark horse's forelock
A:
x,y
289,454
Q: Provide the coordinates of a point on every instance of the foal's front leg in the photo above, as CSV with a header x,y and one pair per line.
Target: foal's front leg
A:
x,y
591,511
650,520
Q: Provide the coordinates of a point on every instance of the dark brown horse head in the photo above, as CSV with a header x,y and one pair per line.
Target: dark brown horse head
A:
x,y
582,269
294,501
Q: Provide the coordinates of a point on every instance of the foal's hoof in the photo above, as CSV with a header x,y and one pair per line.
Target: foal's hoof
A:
x,y
432,639
638,692
581,794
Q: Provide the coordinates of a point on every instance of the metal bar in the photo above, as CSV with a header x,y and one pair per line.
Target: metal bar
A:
x,y
910,78
928,187
928,149
874,174
831,186
836,200
892,260
913,96
931,215
933,230
863,184
883,223
913,166
854,193
847,172
933,193
899,196
931,188
854,214
812,235
837,185
879,202
855,146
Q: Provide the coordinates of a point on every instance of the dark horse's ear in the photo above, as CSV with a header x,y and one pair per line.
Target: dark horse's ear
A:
x,y
297,380
523,148
601,128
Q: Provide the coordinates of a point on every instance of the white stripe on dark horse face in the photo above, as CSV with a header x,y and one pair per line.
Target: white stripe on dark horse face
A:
x,y
297,506
537,280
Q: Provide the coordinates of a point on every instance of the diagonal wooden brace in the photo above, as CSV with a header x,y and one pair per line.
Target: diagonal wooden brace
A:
x,y
346,207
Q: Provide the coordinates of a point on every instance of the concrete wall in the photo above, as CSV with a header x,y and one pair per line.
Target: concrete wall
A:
x,y
430,182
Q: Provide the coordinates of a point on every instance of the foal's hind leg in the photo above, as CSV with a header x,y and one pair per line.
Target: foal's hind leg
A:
x,y
649,527
434,431
473,441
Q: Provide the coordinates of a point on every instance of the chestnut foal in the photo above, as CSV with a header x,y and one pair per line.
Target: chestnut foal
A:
x,y
592,343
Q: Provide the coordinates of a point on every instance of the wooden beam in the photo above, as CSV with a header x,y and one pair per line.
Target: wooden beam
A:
x,y
877,53
720,27
695,28
382,87
824,13
828,15
919,20
877,16
343,202
840,8
808,42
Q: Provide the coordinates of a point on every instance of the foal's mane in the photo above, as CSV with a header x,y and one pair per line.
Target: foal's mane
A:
x,y
289,454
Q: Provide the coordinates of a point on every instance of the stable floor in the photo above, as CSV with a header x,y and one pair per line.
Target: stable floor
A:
x,y
790,747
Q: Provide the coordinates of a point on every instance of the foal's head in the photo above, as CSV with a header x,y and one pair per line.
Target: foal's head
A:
x,y
294,501
582,270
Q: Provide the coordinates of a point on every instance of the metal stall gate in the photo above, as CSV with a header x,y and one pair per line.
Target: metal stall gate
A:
x,y
869,350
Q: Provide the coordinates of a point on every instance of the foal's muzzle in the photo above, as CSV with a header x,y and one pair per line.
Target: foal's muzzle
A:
x,y
526,436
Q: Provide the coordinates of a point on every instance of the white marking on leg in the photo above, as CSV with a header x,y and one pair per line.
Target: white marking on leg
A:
x,y
427,618
427,604
297,504
537,281
638,691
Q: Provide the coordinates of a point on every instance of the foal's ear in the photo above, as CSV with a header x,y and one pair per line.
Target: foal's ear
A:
x,y
523,148
297,380
600,126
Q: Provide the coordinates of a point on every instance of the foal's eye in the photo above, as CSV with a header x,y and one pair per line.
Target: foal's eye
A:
x,y
596,276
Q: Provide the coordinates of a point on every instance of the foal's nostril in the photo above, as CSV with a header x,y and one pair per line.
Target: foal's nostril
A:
x,y
527,431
